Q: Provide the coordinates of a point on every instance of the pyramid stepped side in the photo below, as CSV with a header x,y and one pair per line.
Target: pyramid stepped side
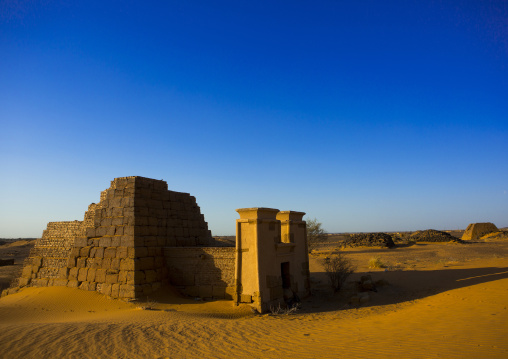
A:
x,y
118,248
49,256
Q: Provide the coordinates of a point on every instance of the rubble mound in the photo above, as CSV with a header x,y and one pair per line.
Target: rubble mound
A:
x,y
431,235
369,240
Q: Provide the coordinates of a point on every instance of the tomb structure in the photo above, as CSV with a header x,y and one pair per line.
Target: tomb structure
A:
x,y
141,236
476,230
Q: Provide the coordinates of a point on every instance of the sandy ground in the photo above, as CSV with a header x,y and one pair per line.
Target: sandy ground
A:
x,y
443,301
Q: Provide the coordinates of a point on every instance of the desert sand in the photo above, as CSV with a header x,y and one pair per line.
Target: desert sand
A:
x,y
442,300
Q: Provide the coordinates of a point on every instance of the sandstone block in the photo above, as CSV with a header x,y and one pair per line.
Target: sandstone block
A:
x,y
118,211
110,231
110,252
122,276
131,252
84,286
115,263
97,263
106,263
117,222
121,252
111,278
90,232
106,289
100,275
84,252
27,272
127,202
63,273
74,252
115,288
73,273
135,277
99,252
115,241
127,264
126,291
43,282
82,274
117,201
36,261
127,240
80,242
60,282
105,242
91,275
81,262
73,283
101,231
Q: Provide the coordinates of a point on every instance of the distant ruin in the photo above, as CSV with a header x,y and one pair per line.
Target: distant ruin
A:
x,y
476,230
141,236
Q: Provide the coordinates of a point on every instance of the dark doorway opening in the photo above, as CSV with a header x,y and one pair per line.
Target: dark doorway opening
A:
x,y
286,278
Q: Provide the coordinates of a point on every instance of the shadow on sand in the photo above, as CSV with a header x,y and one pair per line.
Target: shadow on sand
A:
x,y
404,286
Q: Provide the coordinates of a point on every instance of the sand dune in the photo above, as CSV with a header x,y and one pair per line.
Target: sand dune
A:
x,y
446,309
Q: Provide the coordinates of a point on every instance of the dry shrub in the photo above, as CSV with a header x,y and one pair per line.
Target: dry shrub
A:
x,y
287,310
375,262
337,269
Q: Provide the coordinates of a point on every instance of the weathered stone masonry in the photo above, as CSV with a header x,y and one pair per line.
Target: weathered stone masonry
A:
x,y
141,235
118,248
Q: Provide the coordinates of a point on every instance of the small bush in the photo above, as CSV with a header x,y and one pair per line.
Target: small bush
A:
x,y
337,269
149,305
375,262
284,310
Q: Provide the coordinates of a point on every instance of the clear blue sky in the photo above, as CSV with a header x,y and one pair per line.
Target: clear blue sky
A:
x,y
368,115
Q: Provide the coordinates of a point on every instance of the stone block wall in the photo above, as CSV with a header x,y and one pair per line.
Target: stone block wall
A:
x,y
103,259
206,272
49,255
